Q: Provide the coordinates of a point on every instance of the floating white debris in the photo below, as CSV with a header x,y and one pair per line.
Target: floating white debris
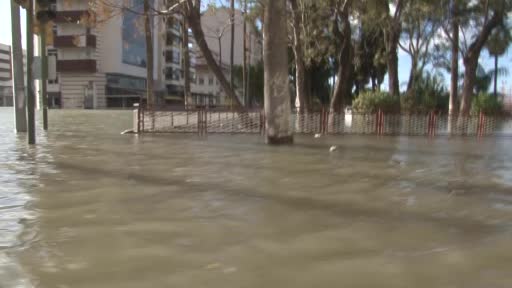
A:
x,y
333,148
128,131
318,135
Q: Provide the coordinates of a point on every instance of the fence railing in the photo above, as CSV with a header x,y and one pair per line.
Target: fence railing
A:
x,y
203,120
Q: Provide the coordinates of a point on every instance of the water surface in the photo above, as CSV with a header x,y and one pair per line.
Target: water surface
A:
x,y
88,207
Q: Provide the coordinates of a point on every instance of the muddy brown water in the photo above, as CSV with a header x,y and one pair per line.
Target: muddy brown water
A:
x,y
88,207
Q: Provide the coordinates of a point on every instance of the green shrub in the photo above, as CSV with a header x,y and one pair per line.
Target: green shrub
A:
x,y
372,101
487,104
428,93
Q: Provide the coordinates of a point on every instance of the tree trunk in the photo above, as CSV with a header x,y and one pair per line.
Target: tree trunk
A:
x,y
232,50
496,76
470,67
412,74
454,65
471,60
17,68
244,68
393,81
275,57
300,67
186,63
339,95
31,121
194,20
149,55
392,37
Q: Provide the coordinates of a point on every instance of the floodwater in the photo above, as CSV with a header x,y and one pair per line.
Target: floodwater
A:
x,y
91,208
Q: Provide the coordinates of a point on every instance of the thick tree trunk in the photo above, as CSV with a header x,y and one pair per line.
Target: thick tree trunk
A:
x,y
232,50
186,63
194,20
470,65
244,55
392,38
454,65
31,97
17,68
275,57
149,55
300,67
339,95
471,60
394,84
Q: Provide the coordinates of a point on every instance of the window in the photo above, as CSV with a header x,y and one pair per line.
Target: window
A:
x,y
172,74
168,56
169,39
210,81
176,57
53,53
172,40
200,80
176,26
54,30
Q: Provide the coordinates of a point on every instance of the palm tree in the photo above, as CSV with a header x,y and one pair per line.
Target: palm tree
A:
x,y
497,45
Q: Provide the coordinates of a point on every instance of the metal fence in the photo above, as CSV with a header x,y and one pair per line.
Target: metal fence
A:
x,y
222,120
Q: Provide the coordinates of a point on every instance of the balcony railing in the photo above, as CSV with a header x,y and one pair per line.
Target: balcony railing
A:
x,y
72,16
75,41
81,65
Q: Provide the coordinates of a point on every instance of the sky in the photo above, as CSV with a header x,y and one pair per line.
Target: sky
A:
x,y
5,23
404,60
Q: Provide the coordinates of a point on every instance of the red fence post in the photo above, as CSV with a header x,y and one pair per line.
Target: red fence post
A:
x,y
429,124
379,122
479,126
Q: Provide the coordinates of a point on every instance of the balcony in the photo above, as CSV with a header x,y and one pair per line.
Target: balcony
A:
x,y
71,16
75,41
82,65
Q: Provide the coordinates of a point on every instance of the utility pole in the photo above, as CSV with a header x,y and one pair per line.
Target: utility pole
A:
x,y
44,15
30,79
20,109
44,77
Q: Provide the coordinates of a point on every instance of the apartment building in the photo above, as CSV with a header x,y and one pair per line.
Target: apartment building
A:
x,y
6,80
100,65
104,65
174,61
5,76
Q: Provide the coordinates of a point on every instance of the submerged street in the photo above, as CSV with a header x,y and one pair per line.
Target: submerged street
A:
x,y
88,207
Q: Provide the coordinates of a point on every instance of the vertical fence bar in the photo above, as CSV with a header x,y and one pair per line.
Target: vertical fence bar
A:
x,y
479,125
137,122
232,121
429,124
143,114
434,123
377,122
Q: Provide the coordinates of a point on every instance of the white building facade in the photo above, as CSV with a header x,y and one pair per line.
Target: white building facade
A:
x,y
100,63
